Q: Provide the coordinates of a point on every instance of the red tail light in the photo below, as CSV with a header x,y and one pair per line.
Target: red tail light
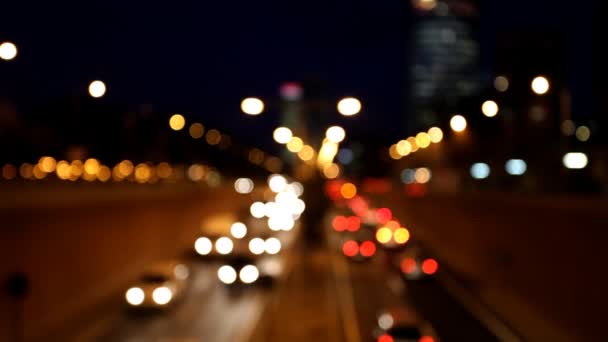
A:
x,y
353,223
350,248
339,223
385,338
367,248
429,266
408,265
383,215
426,339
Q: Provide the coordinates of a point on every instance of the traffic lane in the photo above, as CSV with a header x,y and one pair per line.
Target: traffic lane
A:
x,y
208,311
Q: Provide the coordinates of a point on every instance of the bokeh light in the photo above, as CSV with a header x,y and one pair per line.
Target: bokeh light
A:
x,y
422,175
583,133
348,190
501,83
282,135
540,85
252,106
436,134
177,122
295,145
238,230
335,134
197,130
349,106
480,170
203,246
489,108
243,185
226,274
401,235
458,123
384,235
423,140
97,89
8,51
516,167
575,160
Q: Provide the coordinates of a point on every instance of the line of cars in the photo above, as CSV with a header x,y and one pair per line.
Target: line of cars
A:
x,y
361,232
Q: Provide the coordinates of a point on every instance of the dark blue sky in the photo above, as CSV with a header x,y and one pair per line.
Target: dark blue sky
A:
x,y
201,58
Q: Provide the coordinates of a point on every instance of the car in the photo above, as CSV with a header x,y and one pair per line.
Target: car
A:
x,y
159,286
214,246
238,270
414,264
402,324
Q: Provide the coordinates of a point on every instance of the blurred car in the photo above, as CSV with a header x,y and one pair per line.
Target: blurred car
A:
x,y
218,246
159,286
392,236
238,270
413,264
271,268
401,324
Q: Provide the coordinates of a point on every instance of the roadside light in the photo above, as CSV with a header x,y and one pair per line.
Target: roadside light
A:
x,y
249,274
335,134
384,235
97,89
401,235
177,122
349,106
224,245
575,160
162,295
540,85
203,246
257,246
238,230
272,245
135,296
252,106
489,109
8,51
516,167
501,83
480,170
282,135
458,123
436,134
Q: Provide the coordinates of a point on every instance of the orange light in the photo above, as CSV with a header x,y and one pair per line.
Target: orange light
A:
x,y
339,223
429,266
385,338
401,235
350,248
392,224
408,265
426,339
384,235
348,190
353,223
367,248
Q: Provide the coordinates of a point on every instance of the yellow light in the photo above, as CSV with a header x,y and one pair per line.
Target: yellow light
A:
x,y
425,5
97,89
501,83
177,122
327,153
9,171
393,153
125,168
403,148
26,171
196,172
63,170
331,171
348,190
458,123
76,169
37,172
413,144
384,235
436,134
47,164
583,133
91,166
422,175
142,173
489,109
540,85
401,235
335,134
104,173
282,135
349,106
164,170
252,106
8,51
197,130
306,153
423,140
295,145
213,137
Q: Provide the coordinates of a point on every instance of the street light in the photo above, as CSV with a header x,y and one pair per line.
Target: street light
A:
x,y
282,135
489,109
97,89
177,122
540,85
252,106
335,134
8,51
458,123
349,106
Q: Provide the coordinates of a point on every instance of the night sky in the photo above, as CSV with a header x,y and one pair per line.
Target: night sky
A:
x,y
202,58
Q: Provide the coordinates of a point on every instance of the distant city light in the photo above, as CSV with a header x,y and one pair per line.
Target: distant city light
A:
x,y
177,122
575,160
277,183
345,156
403,148
425,5
540,85
8,51
97,89
335,134
480,171
489,109
583,133
224,245
436,134
252,106
282,135
349,106
516,167
458,123
226,274
568,127
295,145
422,175
423,140
331,171
249,274
291,91
306,153
394,153
257,209
272,245
243,185
348,190
501,83
408,176
203,246
196,130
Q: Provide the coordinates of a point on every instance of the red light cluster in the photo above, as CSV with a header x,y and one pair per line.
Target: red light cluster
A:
x,y
359,206
385,338
332,190
408,265
429,266
342,223
383,215
351,248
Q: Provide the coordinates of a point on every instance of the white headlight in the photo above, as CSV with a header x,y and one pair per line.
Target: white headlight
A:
x,y
249,274
224,245
226,274
135,296
272,245
277,183
257,246
162,295
238,230
203,246
257,210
